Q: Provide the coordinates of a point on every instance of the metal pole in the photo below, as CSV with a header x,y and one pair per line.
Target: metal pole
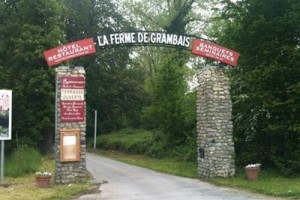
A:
x,y
2,163
56,143
95,130
56,97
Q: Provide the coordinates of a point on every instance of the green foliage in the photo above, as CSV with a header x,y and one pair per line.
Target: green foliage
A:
x,y
27,29
24,187
158,148
153,144
269,183
127,140
186,151
114,89
119,97
174,16
23,160
265,85
166,112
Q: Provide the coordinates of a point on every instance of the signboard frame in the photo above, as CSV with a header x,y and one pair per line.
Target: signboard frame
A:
x,y
5,114
70,148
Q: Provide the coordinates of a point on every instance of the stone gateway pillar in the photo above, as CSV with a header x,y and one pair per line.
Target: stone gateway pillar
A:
x,y
70,131
214,125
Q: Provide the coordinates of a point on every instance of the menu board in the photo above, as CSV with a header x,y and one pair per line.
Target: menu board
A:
x,y
70,145
72,99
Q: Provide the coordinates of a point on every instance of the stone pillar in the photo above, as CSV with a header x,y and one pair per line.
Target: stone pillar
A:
x,y
214,125
70,171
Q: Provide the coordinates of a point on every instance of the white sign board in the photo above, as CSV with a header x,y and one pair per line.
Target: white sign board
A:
x,y
69,140
5,114
72,94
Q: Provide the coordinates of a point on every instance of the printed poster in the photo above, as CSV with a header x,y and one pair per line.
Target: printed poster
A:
x,y
5,114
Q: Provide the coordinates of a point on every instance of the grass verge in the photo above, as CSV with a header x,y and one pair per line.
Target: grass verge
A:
x,y
24,187
269,183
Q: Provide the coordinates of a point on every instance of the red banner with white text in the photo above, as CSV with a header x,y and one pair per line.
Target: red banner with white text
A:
x,y
215,52
69,51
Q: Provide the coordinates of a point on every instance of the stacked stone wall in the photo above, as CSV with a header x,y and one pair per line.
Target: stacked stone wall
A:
x,y
214,125
69,172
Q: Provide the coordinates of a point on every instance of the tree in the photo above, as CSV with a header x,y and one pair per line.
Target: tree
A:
x,y
113,87
265,86
28,28
164,68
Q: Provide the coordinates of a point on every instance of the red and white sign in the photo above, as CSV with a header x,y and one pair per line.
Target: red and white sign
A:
x,y
68,51
72,82
72,98
72,111
72,94
214,51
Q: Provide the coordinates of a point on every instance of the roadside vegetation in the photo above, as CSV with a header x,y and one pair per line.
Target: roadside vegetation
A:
x,y
22,161
150,143
19,180
270,183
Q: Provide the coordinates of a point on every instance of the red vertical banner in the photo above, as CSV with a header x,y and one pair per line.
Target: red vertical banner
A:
x,y
72,99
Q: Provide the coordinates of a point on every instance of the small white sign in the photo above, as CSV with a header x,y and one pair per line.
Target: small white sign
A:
x,y
69,140
72,94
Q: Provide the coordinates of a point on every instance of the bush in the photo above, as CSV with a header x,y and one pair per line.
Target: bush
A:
x,y
126,140
287,167
158,148
23,160
151,143
187,151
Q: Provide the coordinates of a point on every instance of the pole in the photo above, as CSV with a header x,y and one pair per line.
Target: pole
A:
x,y
2,163
56,142
56,106
95,130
